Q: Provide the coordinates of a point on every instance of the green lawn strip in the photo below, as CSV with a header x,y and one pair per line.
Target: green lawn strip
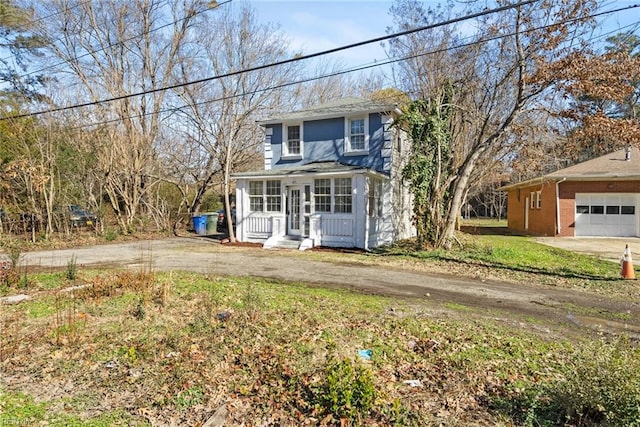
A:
x,y
275,348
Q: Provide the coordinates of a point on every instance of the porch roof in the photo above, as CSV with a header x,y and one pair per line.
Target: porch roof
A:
x,y
310,169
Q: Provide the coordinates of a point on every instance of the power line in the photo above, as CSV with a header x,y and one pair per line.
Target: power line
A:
x,y
278,63
350,70
212,5
299,58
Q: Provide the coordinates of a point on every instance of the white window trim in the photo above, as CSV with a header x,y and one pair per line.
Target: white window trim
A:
x,y
347,134
285,142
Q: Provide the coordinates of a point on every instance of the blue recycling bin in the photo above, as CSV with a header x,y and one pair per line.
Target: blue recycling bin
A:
x,y
200,224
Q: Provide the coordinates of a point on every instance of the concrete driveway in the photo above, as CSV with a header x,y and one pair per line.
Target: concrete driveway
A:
x,y
609,248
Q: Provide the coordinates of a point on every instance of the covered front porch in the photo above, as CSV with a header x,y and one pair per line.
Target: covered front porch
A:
x,y
326,205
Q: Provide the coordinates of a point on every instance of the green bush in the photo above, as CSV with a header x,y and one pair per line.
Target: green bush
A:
x,y
348,391
600,385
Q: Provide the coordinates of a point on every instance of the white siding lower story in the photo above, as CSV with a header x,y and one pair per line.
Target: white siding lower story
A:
x,y
325,229
362,228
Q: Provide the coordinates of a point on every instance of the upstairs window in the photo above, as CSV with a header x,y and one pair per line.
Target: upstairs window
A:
x,y
356,135
292,144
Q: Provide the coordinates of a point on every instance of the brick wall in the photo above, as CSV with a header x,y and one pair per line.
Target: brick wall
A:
x,y
542,221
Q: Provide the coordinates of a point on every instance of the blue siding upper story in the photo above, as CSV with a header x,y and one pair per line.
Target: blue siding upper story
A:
x,y
323,140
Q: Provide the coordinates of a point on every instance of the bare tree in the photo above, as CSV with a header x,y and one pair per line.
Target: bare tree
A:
x,y
497,75
217,118
111,49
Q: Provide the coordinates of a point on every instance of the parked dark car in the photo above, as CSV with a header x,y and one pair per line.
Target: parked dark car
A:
x,y
80,217
222,223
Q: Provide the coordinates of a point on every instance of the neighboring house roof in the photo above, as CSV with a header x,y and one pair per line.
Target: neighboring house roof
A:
x,y
336,108
612,166
314,168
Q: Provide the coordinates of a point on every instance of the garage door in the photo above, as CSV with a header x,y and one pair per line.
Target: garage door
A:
x,y
606,215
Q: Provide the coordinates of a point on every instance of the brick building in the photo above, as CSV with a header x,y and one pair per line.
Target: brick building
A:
x,y
599,197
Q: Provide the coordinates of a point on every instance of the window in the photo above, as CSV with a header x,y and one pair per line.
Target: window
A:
x,y
597,210
375,198
265,195
628,210
534,201
582,209
356,135
256,201
342,198
613,210
274,196
292,144
333,195
322,190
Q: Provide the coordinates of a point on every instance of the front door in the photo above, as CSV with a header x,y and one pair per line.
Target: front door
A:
x,y
295,214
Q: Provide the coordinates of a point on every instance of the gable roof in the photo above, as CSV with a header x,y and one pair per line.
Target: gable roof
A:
x,y
612,166
336,108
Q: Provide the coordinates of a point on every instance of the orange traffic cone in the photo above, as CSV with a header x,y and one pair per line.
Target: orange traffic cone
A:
x,y
627,265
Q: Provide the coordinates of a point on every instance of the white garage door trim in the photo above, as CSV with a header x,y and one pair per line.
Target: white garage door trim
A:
x,y
610,215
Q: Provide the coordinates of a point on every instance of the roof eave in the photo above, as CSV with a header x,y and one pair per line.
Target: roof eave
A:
x,y
395,110
556,178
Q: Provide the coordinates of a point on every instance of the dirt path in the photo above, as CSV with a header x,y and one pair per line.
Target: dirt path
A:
x,y
561,307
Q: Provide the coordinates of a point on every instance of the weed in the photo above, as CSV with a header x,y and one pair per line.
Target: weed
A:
x,y
68,322
189,398
601,385
348,391
72,268
20,409
110,235
138,311
251,302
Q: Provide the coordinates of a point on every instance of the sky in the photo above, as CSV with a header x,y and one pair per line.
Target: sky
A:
x,y
316,25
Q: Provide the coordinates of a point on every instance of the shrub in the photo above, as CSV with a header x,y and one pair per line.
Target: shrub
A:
x,y
600,385
348,391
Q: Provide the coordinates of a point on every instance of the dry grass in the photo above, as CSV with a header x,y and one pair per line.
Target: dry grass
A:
x,y
154,349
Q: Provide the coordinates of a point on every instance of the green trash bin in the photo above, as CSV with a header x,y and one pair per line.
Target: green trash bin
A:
x,y
212,222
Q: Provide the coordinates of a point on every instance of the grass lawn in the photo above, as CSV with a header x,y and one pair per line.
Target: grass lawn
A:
x,y
145,348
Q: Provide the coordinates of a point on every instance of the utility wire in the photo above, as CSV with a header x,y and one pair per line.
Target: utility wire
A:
x,y
342,72
277,63
212,5
299,58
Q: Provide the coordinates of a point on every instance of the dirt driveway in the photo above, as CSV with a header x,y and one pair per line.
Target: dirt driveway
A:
x,y
555,307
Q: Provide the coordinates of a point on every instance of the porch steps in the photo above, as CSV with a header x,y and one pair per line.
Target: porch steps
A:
x,y
289,243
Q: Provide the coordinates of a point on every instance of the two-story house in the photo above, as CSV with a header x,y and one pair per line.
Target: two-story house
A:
x,y
332,177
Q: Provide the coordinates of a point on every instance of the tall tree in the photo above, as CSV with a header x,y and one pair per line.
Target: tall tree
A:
x,y
605,91
498,76
111,49
217,118
21,44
